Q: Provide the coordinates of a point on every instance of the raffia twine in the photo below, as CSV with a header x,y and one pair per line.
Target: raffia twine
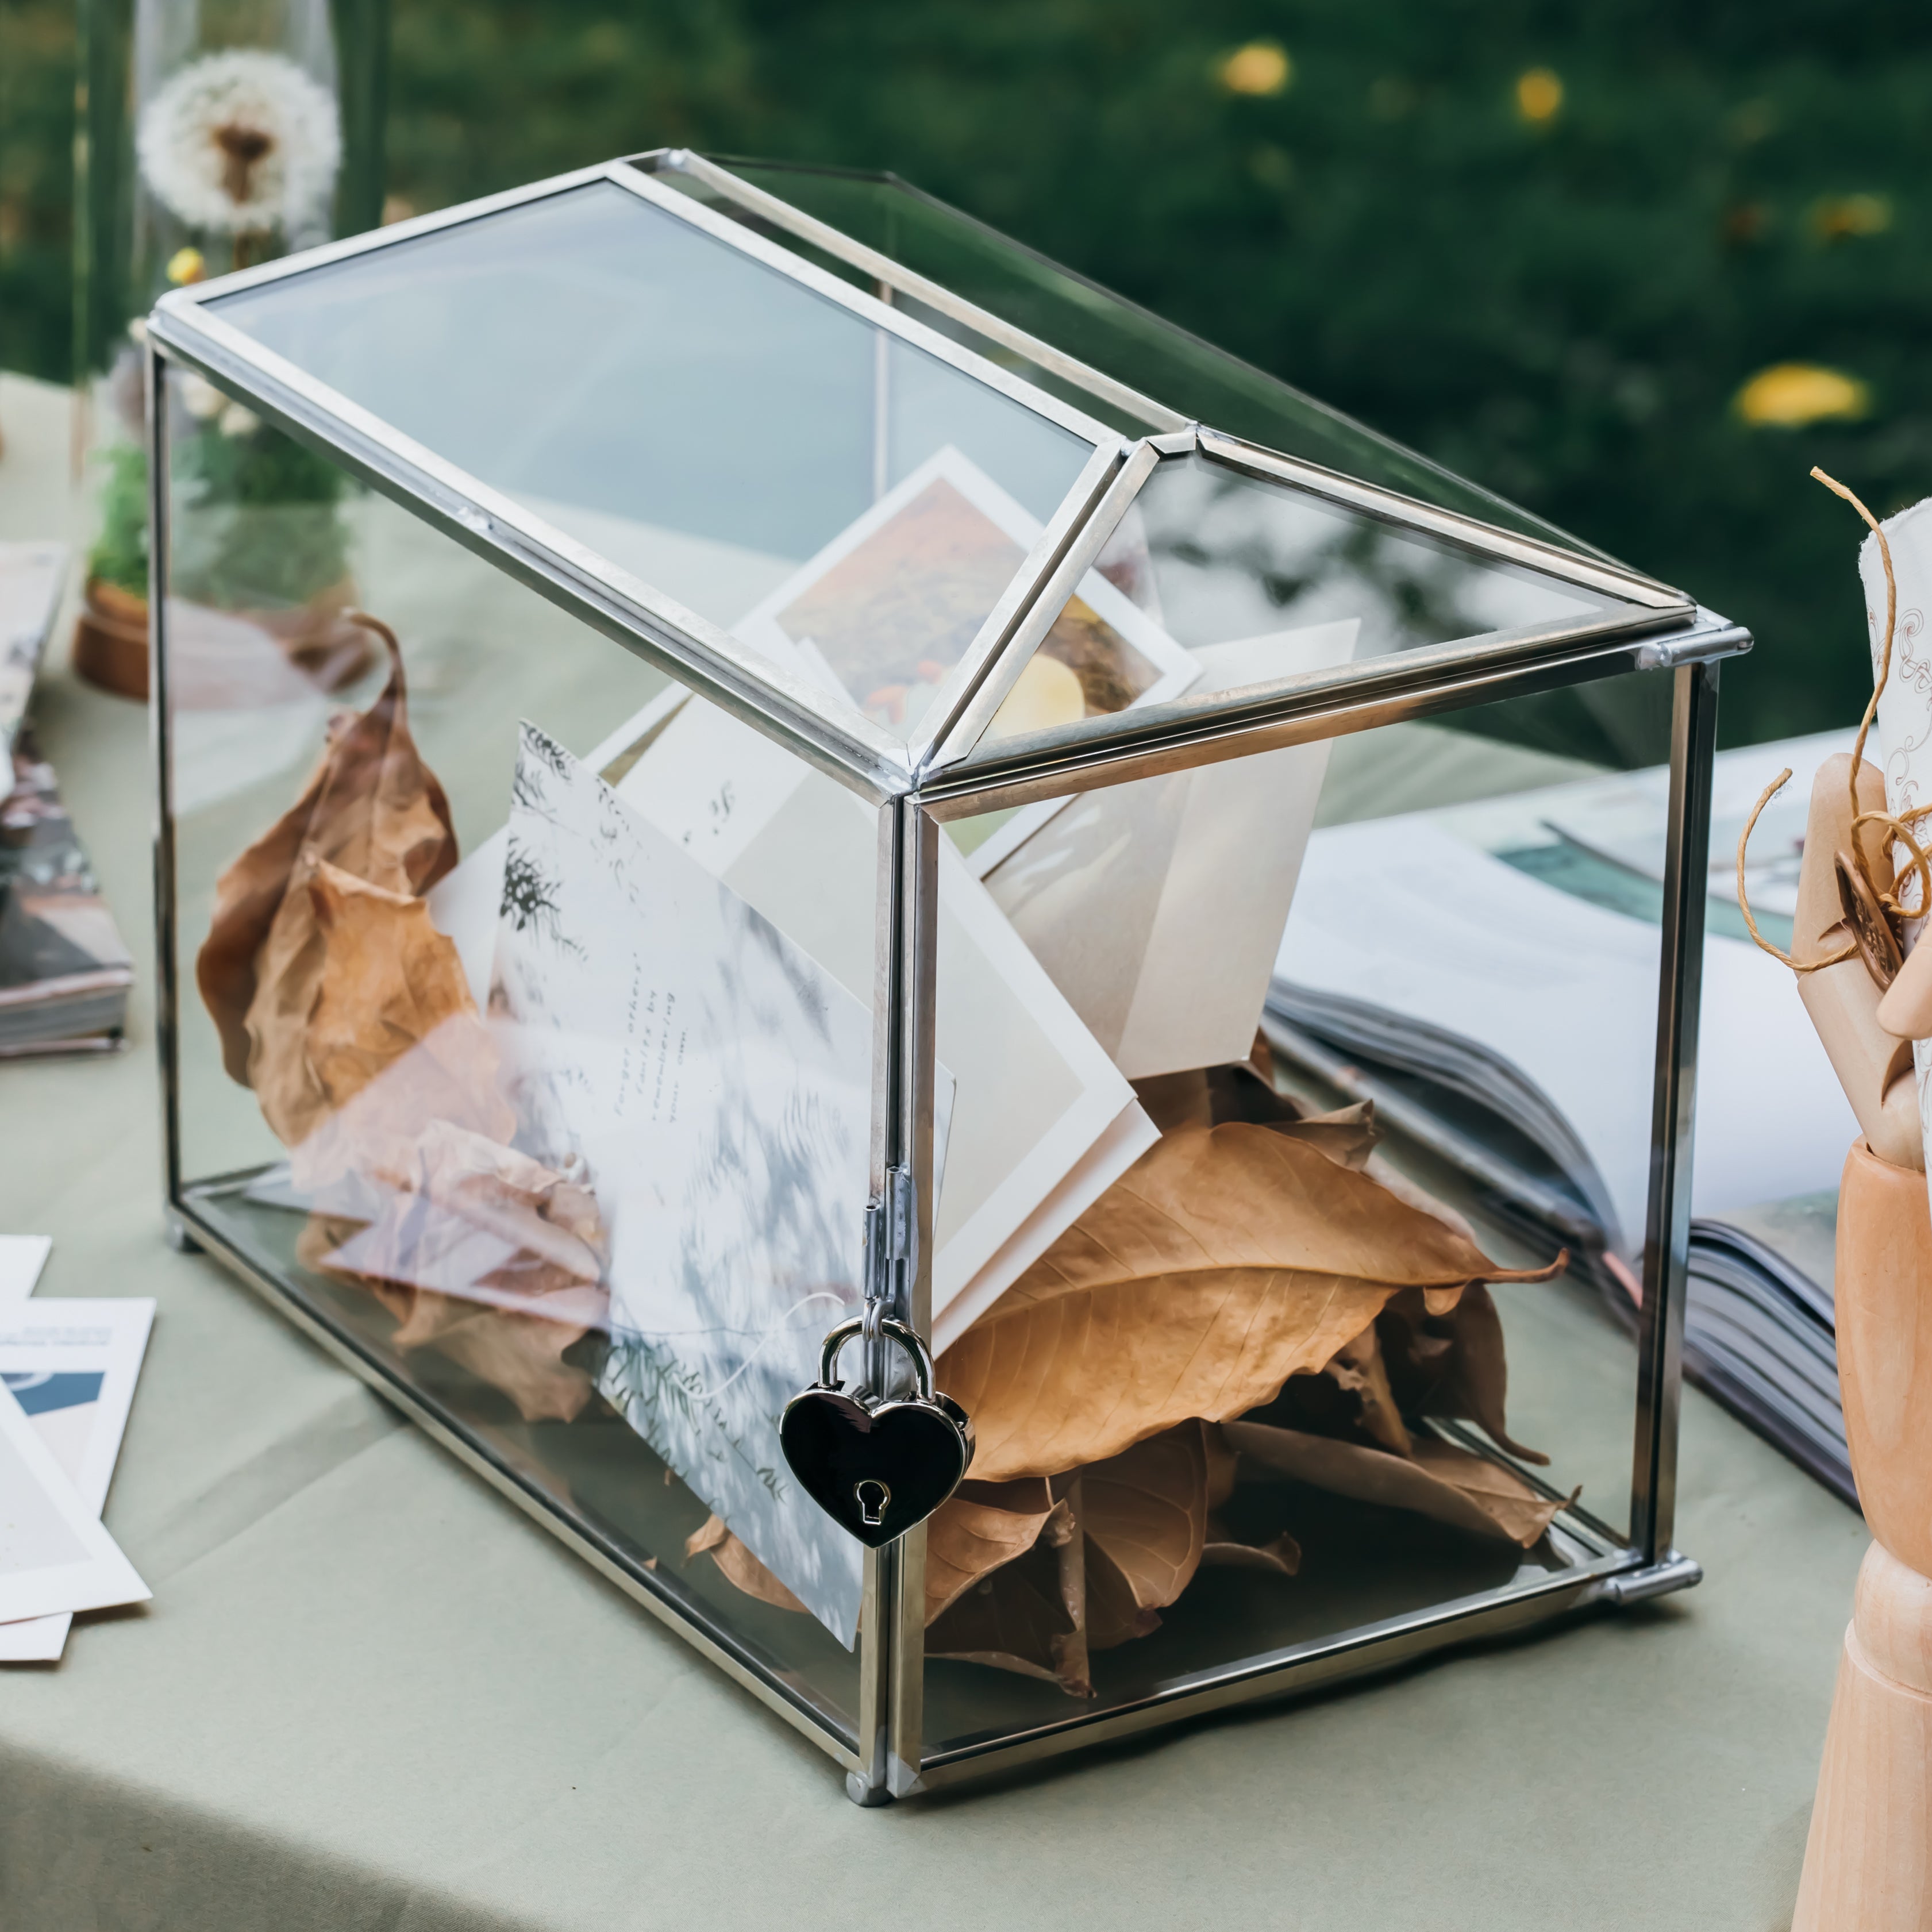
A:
x,y
1901,826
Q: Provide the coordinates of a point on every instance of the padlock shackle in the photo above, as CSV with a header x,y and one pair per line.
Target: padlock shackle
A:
x,y
892,1331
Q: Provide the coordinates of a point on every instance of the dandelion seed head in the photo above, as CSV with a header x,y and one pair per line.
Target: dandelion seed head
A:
x,y
241,142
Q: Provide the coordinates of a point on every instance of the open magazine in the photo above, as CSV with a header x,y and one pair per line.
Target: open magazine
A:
x,y
1504,1018
1760,1331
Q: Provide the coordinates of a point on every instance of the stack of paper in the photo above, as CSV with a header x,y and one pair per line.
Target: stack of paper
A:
x,y
68,1370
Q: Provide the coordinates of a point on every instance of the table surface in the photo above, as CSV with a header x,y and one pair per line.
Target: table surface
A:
x,y
369,1693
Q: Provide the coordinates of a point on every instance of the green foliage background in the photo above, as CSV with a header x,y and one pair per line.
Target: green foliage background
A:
x,y
1563,311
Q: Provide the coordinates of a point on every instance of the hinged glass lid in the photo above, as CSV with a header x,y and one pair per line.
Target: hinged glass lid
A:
x,y
1241,576
825,485
894,542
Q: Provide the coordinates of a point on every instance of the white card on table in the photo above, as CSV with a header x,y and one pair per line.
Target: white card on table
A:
x,y
54,1554
71,1365
21,1258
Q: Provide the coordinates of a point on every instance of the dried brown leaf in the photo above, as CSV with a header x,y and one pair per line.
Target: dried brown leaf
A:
x,y
1147,1509
1438,1480
1281,1556
1357,1366
1009,1619
1224,1261
390,1042
980,1527
371,808
1475,1382
1452,1364
521,1354
738,1565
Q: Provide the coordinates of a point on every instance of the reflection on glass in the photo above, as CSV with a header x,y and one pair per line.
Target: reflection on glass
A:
x,y
1101,329
501,1078
1219,555
694,416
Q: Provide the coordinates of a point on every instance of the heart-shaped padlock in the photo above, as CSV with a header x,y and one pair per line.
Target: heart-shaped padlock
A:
x,y
876,1465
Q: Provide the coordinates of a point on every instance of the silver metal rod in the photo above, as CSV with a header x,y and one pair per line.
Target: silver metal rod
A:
x,y
387,236
837,740
1042,611
1693,727
917,911
1552,559
1299,1668
167,1032
1403,686
657,1591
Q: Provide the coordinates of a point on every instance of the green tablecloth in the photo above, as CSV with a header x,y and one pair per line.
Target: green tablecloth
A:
x,y
369,1693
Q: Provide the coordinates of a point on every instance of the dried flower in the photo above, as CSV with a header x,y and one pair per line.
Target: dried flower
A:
x,y
240,142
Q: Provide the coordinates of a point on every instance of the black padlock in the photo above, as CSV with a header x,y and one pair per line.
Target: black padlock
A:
x,y
876,1465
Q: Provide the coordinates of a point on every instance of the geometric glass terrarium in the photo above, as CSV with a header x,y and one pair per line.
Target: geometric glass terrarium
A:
x,y
892,779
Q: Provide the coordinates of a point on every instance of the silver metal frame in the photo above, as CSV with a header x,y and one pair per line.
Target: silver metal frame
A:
x,y
942,774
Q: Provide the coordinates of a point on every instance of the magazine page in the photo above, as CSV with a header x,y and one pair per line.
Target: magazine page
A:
x,y
1560,980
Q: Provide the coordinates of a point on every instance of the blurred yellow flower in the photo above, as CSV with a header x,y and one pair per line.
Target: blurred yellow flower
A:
x,y
1788,395
1261,67
1837,216
185,265
1539,94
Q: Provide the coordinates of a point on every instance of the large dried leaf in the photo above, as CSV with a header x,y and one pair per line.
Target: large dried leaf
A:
x,y
1453,1364
1436,1479
371,808
1280,1556
1224,1261
1012,1619
519,1350
978,1529
390,1042
1358,1368
1146,1511
739,1565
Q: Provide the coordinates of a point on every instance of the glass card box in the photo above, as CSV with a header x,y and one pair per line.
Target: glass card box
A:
x,y
881,771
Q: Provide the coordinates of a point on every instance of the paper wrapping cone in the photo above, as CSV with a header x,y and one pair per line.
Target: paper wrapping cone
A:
x,y
1904,728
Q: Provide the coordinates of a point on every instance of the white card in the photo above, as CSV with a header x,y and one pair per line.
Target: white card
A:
x,y
71,1365
717,1083
54,1554
1158,907
21,1258
1037,1095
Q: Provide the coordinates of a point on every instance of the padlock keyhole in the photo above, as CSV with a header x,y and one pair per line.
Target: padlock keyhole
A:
x,y
874,1499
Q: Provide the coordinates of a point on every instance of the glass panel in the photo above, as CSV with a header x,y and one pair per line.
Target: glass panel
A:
x,y
1349,1034
1106,332
700,419
505,1047
1235,582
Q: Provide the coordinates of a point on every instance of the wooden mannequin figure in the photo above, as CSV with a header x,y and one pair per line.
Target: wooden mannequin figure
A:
x,y
1868,1861
1868,989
